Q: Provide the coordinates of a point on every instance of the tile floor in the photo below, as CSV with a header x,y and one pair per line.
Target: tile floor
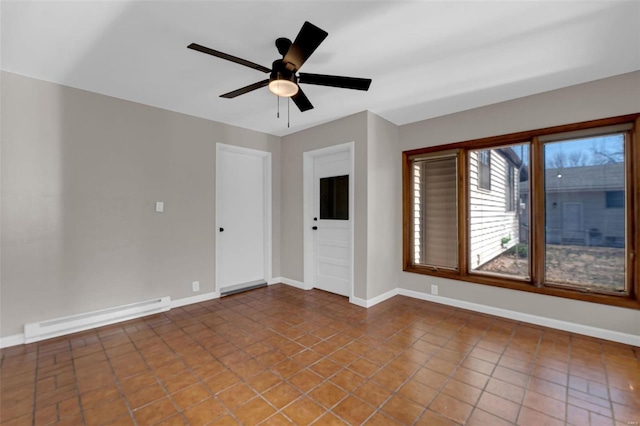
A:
x,y
280,355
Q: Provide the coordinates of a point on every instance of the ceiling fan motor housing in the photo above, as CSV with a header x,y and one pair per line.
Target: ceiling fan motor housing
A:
x,y
283,45
283,82
280,72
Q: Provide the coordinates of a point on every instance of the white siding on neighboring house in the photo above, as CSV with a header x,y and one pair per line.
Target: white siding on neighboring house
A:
x,y
489,221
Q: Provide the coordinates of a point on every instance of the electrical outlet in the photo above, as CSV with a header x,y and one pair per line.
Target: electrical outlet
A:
x,y
434,289
195,286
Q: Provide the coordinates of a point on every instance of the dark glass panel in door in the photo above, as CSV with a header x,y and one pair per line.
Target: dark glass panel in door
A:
x,y
334,198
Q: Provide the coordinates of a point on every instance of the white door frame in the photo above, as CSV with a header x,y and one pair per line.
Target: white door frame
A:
x,y
308,177
266,159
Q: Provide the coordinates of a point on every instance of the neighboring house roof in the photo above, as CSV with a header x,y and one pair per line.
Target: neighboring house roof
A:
x,y
510,155
605,177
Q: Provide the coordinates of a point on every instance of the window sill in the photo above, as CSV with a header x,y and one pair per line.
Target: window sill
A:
x,y
514,284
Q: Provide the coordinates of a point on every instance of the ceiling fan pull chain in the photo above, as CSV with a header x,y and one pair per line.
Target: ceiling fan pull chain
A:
x,y
278,113
288,113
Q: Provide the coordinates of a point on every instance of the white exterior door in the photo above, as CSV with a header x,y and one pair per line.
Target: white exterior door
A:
x,y
243,205
331,223
572,228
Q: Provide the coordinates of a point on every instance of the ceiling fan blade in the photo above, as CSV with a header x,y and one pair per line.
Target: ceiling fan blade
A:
x,y
335,81
246,89
228,57
301,101
307,41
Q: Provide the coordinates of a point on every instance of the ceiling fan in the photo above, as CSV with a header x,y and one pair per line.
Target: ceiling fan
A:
x,y
284,78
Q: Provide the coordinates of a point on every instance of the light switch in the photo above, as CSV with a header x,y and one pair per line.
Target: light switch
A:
x,y
159,206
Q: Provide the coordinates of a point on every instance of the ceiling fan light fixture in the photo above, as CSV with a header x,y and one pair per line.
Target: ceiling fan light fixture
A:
x,y
283,88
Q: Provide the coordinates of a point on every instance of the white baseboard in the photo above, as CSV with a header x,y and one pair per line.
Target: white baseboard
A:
x,y
15,340
288,281
358,301
587,330
195,299
367,303
105,317
629,339
47,329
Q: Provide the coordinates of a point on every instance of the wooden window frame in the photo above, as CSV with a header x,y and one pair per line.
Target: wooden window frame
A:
x,y
536,283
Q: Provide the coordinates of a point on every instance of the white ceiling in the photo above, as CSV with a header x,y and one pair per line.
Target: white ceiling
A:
x,y
426,58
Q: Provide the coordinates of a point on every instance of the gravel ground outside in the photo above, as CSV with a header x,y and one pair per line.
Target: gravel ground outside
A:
x,y
593,267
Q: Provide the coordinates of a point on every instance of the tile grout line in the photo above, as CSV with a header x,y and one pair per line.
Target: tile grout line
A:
x,y
75,381
458,367
200,380
35,386
526,387
475,405
606,376
394,391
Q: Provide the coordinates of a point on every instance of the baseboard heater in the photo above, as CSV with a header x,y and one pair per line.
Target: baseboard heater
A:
x,y
37,331
228,291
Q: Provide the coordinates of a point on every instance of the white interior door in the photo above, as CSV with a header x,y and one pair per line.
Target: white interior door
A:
x,y
243,205
332,218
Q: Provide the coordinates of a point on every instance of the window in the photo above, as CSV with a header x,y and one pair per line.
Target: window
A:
x,y
434,205
614,199
498,238
484,169
560,218
510,185
576,255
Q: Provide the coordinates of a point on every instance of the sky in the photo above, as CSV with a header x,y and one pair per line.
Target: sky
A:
x,y
578,152
585,152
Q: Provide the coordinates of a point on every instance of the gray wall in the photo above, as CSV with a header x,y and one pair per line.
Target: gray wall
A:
x,y
80,176
383,194
349,129
377,179
80,173
599,99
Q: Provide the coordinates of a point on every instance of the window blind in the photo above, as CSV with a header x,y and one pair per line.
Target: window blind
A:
x,y
435,222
